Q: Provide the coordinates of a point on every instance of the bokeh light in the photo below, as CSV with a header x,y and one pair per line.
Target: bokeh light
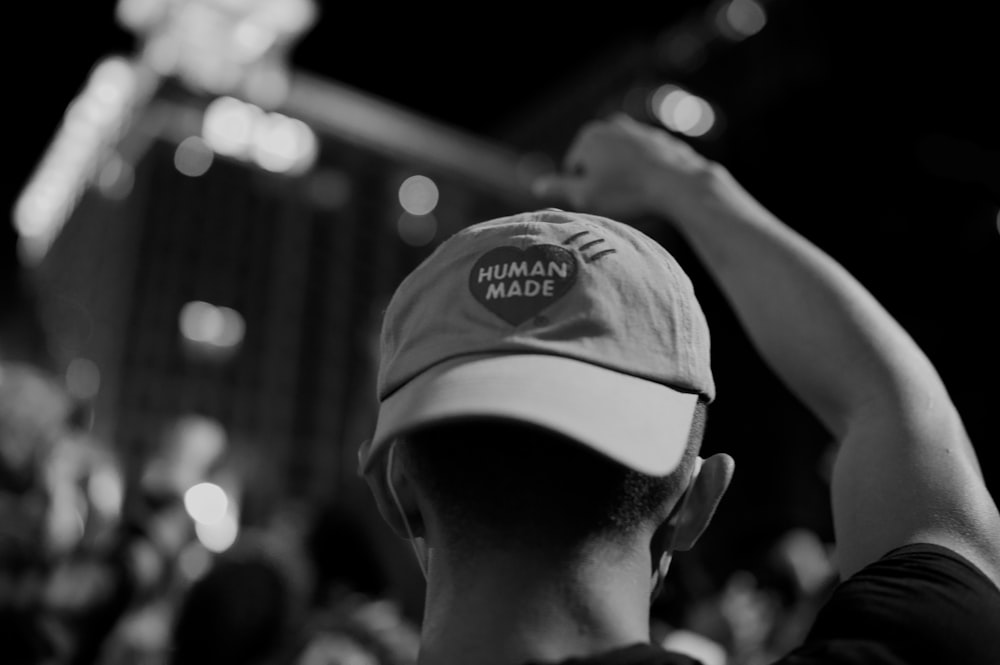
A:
x,y
418,195
283,145
195,442
233,328
206,324
106,490
739,19
201,321
252,39
220,536
228,125
681,111
273,141
193,157
91,122
206,503
693,117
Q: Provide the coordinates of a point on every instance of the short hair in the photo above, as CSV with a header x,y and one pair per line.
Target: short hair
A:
x,y
496,482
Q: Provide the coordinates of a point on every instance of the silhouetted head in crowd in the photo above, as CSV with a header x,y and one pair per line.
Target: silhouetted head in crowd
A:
x,y
242,611
343,555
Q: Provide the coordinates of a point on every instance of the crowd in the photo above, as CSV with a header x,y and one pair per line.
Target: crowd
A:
x,y
95,569
93,572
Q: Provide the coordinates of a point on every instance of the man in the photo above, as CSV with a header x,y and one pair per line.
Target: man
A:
x,y
543,384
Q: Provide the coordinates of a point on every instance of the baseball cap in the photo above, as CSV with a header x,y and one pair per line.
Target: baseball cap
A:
x,y
567,321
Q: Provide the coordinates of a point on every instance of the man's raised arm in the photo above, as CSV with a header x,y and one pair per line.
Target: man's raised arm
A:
x,y
905,471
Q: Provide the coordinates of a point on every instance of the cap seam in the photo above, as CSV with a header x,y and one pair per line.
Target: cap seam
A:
x,y
528,352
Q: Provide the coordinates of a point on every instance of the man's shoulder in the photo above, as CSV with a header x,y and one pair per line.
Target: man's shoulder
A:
x,y
934,575
918,603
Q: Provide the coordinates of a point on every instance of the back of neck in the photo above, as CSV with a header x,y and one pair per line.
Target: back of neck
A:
x,y
516,609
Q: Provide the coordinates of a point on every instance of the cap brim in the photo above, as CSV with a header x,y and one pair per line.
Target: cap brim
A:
x,y
639,423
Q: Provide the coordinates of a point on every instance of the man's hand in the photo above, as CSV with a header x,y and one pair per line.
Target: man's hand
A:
x,y
622,168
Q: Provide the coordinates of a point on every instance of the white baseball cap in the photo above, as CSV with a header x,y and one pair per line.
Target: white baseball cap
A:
x,y
571,322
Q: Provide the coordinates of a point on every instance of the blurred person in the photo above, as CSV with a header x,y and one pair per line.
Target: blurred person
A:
x,y
146,550
35,423
245,609
344,556
543,387
253,607
740,618
66,577
44,454
765,608
352,615
356,629
798,576
89,585
690,583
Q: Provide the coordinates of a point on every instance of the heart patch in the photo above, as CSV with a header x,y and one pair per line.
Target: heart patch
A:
x,y
517,284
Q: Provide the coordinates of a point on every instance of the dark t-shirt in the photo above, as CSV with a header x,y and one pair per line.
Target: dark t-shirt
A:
x,y
917,604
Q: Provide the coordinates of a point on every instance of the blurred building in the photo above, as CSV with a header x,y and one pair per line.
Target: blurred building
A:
x,y
211,245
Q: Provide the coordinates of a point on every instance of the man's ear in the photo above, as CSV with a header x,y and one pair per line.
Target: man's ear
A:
x,y
681,530
704,493
392,511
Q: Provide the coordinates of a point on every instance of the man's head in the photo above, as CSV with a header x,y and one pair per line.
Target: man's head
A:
x,y
581,333
504,485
